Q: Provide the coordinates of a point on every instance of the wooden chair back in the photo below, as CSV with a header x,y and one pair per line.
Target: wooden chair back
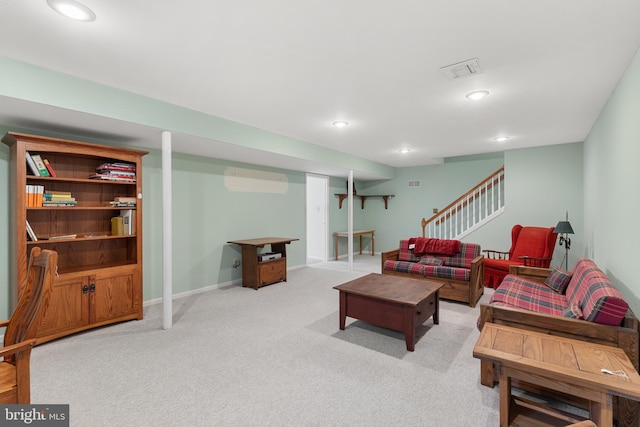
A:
x,y
21,329
533,242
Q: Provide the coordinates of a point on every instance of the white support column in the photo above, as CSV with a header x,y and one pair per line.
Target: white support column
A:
x,y
167,258
350,219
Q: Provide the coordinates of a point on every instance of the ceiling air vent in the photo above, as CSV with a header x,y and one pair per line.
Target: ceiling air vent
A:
x,y
467,68
414,184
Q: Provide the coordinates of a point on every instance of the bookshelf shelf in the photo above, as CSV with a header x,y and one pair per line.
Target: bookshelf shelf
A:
x,y
99,278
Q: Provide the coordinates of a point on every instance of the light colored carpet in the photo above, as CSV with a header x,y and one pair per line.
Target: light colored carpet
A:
x,y
271,357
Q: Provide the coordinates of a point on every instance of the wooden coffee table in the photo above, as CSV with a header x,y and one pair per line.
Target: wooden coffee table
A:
x,y
391,302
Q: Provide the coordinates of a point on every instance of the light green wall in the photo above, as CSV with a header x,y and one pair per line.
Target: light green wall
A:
x,y
440,185
541,184
205,216
611,177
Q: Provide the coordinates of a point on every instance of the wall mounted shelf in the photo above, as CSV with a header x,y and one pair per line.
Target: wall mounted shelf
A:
x,y
364,197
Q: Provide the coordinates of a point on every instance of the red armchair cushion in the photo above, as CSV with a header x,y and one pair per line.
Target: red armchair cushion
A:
x,y
532,242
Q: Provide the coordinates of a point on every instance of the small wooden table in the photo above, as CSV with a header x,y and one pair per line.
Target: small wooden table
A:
x,y
355,233
391,302
566,365
259,273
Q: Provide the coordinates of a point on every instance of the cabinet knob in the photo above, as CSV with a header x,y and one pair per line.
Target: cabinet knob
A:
x,y
85,289
92,288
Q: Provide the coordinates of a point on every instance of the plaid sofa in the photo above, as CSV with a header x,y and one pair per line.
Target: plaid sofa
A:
x,y
589,295
461,273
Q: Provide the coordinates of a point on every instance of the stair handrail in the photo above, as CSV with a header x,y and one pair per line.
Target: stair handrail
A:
x,y
494,178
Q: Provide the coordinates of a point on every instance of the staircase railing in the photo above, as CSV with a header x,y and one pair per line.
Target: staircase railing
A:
x,y
470,211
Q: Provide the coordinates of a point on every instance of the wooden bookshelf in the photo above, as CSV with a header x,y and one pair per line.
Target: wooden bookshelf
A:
x,y
99,278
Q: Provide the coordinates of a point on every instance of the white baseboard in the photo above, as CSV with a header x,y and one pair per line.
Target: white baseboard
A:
x,y
205,289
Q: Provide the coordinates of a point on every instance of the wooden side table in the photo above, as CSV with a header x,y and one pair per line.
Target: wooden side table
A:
x,y
355,234
589,371
259,273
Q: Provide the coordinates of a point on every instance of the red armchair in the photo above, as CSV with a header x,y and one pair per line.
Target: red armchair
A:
x,y
531,246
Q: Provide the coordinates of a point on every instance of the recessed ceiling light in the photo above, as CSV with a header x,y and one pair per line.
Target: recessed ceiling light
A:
x,y
340,124
478,94
72,9
404,150
500,138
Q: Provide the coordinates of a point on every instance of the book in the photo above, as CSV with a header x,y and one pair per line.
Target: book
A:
x,y
49,204
117,226
30,196
42,169
116,172
128,220
112,177
123,202
55,198
125,199
39,195
49,167
30,233
32,165
117,166
59,237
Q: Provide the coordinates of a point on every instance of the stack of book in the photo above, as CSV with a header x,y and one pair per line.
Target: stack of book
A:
x,y
58,199
39,166
116,172
124,202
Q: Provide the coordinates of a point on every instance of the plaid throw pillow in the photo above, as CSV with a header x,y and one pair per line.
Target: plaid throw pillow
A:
x,y
558,280
429,260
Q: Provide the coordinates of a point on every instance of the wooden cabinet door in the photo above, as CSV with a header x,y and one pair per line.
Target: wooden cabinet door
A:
x,y
272,271
69,306
116,295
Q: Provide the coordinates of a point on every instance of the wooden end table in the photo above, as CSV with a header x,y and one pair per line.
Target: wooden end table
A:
x,y
566,365
359,233
260,273
391,302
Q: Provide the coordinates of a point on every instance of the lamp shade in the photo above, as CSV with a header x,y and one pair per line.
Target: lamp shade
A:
x,y
563,227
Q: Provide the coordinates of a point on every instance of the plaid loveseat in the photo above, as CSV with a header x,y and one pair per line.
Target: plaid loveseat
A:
x,y
587,295
462,273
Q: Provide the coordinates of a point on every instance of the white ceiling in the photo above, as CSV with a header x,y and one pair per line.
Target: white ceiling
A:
x,y
293,67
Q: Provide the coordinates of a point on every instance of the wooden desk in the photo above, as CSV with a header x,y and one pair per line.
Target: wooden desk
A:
x,y
562,364
259,273
355,233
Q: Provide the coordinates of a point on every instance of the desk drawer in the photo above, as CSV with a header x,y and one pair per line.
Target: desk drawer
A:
x,y
272,271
